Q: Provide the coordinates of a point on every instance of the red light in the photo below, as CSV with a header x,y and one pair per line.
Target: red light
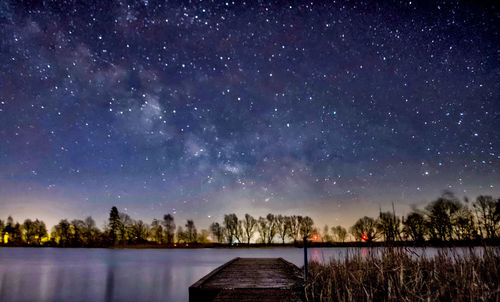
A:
x,y
364,237
315,237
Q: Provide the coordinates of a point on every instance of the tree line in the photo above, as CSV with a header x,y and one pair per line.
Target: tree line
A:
x,y
443,220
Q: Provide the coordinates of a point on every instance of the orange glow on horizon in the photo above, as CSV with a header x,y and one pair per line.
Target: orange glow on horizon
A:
x,y
364,237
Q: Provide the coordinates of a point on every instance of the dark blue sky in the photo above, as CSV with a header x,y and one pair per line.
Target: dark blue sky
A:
x,y
330,110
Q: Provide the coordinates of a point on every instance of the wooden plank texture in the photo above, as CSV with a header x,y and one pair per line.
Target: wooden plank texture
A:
x,y
250,279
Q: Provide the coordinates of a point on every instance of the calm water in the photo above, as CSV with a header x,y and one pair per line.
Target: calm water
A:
x,y
47,274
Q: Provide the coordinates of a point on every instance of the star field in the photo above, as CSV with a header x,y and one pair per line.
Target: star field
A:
x,y
204,108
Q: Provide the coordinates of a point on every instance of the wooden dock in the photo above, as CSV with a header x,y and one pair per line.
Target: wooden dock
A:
x,y
250,279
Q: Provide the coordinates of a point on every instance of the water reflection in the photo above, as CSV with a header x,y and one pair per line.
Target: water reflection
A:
x,y
45,274
364,252
110,284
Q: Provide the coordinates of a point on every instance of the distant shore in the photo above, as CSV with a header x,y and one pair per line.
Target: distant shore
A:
x,y
286,245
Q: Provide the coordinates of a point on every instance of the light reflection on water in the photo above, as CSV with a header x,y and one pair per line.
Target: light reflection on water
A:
x,y
47,274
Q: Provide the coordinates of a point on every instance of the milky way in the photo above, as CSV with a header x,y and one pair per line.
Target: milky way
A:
x,y
332,110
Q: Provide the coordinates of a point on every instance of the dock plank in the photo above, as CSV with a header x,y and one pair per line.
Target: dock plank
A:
x,y
250,279
261,295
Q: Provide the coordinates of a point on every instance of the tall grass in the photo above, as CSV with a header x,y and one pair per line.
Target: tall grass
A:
x,y
397,274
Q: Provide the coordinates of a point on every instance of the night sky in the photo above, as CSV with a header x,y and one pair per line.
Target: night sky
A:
x,y
331,109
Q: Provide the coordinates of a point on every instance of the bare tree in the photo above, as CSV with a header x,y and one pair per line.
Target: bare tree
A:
x,y
249,225
89,231
263,229
217,231
231,225
293,227
306,226
125,227
271,221
139,231
282,226
488,216
340,233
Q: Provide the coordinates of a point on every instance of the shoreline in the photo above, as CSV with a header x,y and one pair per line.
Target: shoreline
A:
x,y
451,244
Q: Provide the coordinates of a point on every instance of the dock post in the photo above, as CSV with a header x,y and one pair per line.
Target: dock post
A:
x,y
305,258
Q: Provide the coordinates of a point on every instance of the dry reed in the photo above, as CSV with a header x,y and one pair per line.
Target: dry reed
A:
x,y
398,274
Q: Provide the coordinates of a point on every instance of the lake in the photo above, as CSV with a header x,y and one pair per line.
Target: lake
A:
x,y
51,274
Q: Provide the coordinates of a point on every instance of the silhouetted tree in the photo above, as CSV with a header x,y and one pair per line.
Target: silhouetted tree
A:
x,y
389,226
90,232
114,224
191,232
249,225
40,231
62,233
443,219
267,228
231,225
126,225
29,230
365,228
282,227
157,231
464,226
181,235
17,235
217,232
293,227
325,236
5,231
340,233
139,231
263,229
9,225
168,223
77,226
440,214
272,229
2,231
306,226
488,216
415,227
13,231
203,236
